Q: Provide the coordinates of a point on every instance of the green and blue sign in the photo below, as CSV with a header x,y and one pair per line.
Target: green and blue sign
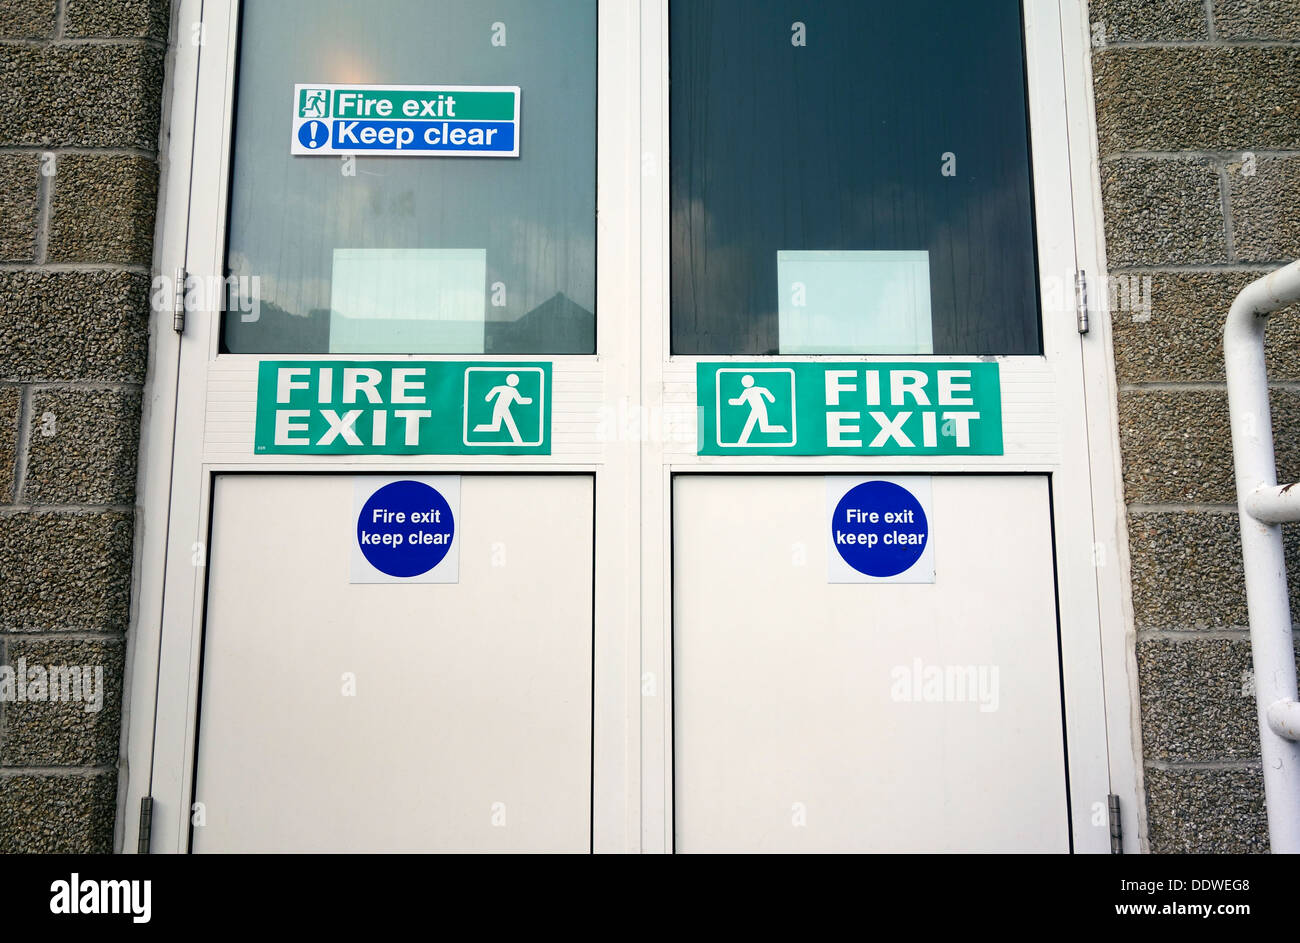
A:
x,y
403,407
406,120
849,408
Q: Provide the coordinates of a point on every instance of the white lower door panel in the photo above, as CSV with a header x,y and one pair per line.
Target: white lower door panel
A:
x,y
470,726
811,716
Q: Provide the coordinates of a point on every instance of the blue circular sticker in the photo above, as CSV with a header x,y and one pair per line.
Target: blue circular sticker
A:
x,y
314,134
405,528
879,528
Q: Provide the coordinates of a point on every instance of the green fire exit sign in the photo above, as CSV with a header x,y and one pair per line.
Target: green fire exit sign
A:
x,y
880,408
406,407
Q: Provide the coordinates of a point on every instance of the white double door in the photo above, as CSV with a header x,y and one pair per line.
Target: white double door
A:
x,y
647,671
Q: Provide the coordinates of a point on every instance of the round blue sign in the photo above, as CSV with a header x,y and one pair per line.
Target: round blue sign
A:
x,y
879,528
314,134
405,528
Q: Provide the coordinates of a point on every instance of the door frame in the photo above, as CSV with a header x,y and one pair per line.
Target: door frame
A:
x,y
639,432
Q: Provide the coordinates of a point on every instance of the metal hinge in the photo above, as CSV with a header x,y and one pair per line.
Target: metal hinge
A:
x,y
178,302
1116,829
1082,281
146,825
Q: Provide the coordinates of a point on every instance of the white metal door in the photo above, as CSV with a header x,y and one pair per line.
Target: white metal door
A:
x,y
202,427
904,717
1046,426
373,717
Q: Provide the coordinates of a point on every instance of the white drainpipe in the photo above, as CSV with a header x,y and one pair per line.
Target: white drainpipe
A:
x,y
1262,506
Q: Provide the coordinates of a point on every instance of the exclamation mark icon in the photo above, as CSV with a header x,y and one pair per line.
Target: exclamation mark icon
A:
x,y
313,135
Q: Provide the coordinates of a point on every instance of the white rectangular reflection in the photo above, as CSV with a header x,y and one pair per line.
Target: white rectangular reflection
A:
x,y
408,301
854,302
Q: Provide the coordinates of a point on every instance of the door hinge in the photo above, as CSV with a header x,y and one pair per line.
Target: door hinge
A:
x,y
178,302
146,825
1116,829
1082,282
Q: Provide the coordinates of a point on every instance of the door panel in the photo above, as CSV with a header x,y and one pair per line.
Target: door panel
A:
x,y
809,717
470,726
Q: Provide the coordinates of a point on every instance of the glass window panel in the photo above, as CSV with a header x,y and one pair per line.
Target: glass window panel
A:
x,y
417,254
867,191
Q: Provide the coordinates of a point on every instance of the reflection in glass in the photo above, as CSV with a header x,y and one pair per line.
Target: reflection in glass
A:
x,y
836,302
845,129
377,254
407,301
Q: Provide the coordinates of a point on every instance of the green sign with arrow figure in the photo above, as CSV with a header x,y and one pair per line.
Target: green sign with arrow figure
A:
x,y
881,408
403,407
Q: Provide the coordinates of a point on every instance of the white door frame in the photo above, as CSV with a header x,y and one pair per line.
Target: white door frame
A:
x,y
1110,517
628,414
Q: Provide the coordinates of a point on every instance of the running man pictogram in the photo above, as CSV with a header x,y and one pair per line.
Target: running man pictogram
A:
x,y
754,396
506,396
314,103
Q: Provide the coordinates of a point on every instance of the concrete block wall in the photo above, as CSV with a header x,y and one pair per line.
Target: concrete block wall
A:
x,y
1198,114
80,90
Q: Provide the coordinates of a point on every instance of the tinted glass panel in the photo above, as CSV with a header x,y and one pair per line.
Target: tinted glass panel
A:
x,y
417,254
850,176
